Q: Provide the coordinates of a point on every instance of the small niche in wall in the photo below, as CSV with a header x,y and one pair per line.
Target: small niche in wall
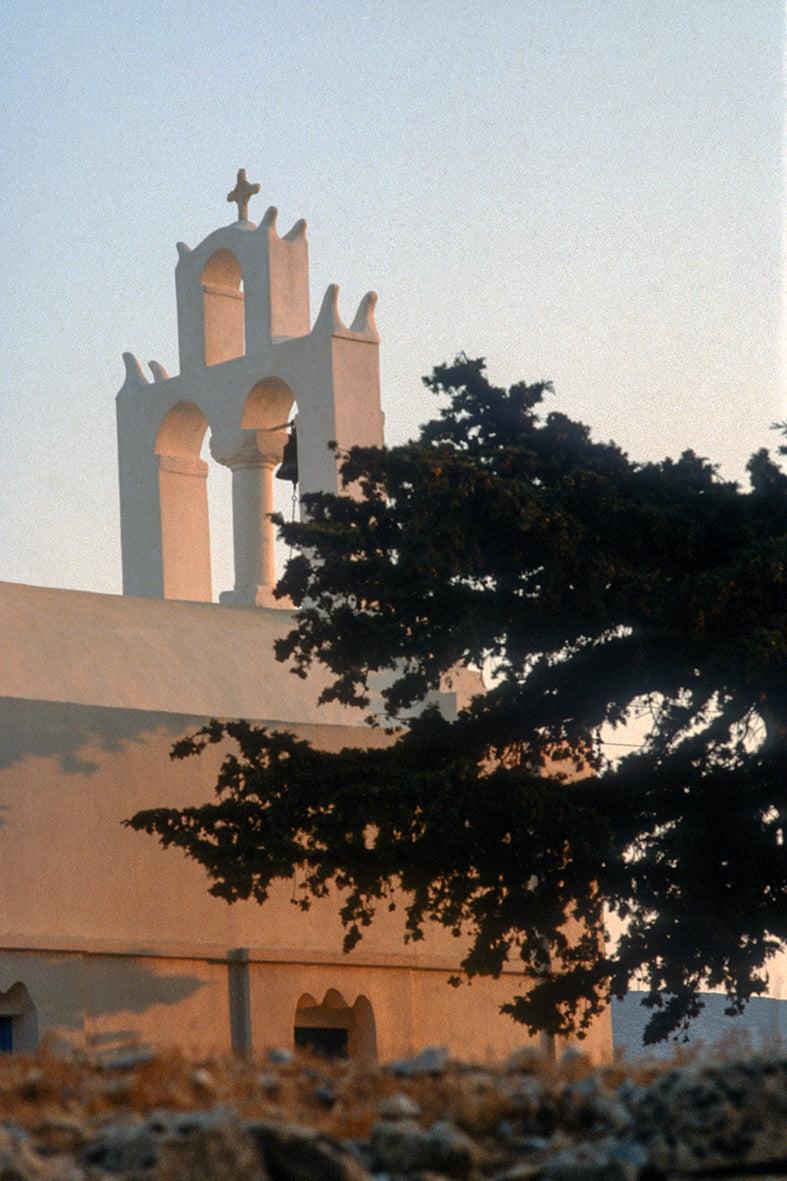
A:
x,y
18,1021
333,1029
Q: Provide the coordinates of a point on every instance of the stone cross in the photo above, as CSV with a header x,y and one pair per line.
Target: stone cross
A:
x,y
241,193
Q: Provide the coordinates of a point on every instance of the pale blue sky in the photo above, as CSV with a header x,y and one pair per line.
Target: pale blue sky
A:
x,y
587,191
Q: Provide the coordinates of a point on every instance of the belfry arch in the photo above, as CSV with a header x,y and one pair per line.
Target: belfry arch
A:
x,y
252,453
183,497
247,353
222,307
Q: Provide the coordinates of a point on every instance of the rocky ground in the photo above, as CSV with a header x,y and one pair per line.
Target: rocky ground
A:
x,y
160,1118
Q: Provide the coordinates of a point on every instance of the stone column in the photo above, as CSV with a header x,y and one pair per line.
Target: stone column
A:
x,y
251,456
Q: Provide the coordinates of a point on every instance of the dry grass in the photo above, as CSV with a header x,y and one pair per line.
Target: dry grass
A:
x,y
62,1099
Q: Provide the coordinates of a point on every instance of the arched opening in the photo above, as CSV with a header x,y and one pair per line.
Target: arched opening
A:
x,y
18,1021
222,301
252,454
185,531
268,406
333,1029
271,410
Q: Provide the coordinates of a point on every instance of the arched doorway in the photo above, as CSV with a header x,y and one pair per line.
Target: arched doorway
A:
x,y
18,1021
333,1029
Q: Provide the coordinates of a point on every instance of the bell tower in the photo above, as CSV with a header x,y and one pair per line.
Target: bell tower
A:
x,y
247,352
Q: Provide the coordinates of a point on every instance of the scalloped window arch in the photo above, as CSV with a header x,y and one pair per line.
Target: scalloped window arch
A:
x,y
334,1029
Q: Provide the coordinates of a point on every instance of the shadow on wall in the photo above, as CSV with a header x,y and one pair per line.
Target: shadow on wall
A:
x,y
120,984
63,730
99,1000
90,997
118,988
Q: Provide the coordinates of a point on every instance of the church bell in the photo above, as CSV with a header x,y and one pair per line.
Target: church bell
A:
x,y
288,469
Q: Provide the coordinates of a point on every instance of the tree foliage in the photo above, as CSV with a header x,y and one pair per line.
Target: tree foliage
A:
x,y
595,591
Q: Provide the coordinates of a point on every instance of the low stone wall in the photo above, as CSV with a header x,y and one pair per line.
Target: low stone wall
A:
x,y
421,1119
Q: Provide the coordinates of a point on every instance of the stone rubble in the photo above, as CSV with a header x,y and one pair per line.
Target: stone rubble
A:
x,y
425,1119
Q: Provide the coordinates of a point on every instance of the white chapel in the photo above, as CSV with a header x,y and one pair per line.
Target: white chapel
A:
x,y
106,939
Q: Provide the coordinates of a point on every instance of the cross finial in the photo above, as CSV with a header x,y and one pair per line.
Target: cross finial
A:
x,y
241,193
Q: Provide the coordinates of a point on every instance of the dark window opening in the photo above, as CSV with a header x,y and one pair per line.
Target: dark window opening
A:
x,y
324,1042
6,1035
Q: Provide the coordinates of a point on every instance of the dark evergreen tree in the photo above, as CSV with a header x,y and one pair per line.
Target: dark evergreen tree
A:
x,y
593,590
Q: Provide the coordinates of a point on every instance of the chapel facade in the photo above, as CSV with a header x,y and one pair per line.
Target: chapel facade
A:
x,y
107,940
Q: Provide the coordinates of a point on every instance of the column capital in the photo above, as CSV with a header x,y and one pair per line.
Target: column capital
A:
x,y
248,448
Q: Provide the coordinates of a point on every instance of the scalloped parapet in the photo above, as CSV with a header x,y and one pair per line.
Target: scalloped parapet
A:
x,y
135,377
268,224
158,371
297,231
330,323
364,323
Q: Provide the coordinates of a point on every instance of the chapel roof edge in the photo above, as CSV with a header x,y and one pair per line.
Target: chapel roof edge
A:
x,y
230,237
